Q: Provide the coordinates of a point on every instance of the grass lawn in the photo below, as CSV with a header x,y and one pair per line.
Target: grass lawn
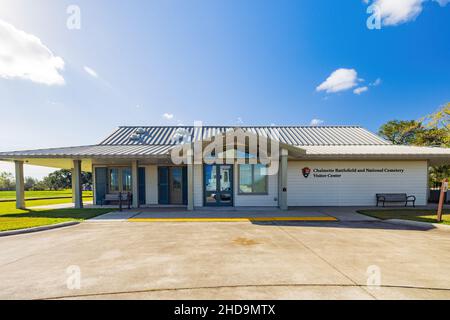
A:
x,y
421,215
14,219
11,195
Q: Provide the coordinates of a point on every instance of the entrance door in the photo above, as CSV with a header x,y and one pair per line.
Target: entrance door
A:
x,y
172,185
163,185
218,185
176,185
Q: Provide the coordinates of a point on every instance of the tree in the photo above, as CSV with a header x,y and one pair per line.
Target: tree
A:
x,y
440,121
62,179
29,183
433,137
59,180
432,130
400,132
7,182
86,180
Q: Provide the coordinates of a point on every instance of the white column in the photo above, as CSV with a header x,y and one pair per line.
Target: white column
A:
x,y
20,186
190,180
77,193
135,183
73,186
283,180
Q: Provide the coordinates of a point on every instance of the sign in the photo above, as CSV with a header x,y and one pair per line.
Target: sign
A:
x,y
340,172
306,172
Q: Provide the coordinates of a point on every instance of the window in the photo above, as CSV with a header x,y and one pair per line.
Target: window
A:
x,y
252,179
119,180
126,180
114,180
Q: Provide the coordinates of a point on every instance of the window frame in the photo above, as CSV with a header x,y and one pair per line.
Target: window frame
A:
x,y
266,178
120,170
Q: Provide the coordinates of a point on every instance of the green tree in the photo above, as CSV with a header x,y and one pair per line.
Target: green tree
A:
x,y
432,131
29,183
62,179
400,132
7,182
59,180
440,123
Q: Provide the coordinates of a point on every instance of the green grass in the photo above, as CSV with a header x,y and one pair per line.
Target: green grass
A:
x,y
11,195
14,219
421,215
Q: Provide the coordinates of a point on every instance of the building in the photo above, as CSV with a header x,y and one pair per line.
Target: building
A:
x,y
306,166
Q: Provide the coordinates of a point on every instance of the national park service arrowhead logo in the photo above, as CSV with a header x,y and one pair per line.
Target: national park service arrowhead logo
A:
x,y
306,172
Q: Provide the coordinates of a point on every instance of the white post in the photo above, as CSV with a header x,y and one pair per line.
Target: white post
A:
x,y
20,186
73,185
135,183
77,193
190,180
283,180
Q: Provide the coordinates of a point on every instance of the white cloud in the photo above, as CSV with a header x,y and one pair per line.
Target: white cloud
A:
x,y
400,11
376,83
360,90
24,56
442,3
90,72
340,80
168,116
316,122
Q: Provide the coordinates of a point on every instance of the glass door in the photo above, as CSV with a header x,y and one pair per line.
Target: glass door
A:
x,y
218,185
176,185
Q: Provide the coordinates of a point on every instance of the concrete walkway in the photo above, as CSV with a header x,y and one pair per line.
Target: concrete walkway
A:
x,y
61,206
340,213
122,260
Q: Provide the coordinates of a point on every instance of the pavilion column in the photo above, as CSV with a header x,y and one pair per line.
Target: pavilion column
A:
x,y
73,185
20,186
135,183
282,194
77,193
190,180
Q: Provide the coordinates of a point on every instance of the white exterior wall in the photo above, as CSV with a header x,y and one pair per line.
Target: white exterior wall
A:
x,y
355,189
151,184
198,185
267,200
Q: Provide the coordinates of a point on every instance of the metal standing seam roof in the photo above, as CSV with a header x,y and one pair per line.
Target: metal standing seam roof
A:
x,y
338,141
292,135
387,150
100,151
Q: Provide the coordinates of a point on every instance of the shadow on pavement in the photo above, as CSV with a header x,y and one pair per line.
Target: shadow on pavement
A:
x,y
344,225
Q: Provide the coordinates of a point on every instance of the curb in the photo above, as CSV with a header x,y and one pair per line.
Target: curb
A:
x,y
37,229
426,225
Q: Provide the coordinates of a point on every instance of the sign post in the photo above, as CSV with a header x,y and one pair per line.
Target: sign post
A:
x,y
444,189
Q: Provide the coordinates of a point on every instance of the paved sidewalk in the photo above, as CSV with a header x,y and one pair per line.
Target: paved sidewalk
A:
x,y
86,205
340,213
245,260
115,216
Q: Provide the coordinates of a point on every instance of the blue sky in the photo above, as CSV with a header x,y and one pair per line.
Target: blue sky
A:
x,y
249,62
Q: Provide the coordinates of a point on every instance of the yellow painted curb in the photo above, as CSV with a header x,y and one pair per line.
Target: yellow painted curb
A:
x,y
268,219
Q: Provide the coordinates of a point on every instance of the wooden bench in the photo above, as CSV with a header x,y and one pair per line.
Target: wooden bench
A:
x,y
395,197
118,198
